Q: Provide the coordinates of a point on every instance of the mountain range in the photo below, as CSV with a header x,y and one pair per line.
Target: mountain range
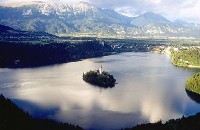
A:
x,y
86,19
10,34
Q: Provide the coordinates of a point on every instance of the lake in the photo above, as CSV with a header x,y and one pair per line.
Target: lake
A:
x,y
149,89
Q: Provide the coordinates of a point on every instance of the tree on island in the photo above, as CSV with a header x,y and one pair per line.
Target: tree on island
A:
x,y
193,83
102,79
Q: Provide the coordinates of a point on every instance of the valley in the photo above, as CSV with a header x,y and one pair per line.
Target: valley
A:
x,y
17,48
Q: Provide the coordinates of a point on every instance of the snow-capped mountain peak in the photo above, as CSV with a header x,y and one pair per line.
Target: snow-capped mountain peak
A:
x,y
47,7
83,17
17,4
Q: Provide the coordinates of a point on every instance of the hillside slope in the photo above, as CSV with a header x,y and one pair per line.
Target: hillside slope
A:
x,y
87,20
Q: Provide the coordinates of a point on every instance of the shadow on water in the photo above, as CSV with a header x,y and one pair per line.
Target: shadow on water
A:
x,y
107,61
34,109
195,97
142,95
101,87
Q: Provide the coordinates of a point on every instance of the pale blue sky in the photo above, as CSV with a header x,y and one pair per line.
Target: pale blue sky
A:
x,y
188,10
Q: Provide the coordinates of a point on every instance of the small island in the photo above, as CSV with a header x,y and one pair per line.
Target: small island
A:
x,y
99,78
193,83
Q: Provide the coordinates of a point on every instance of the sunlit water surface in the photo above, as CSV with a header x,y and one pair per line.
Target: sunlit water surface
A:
x,y
149,88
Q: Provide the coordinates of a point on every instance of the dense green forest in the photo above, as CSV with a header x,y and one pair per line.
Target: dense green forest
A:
x,y
103,80
30,55
193,83
13,118
184,123
19,53
186,57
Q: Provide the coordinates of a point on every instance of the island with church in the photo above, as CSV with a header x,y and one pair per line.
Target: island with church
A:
x,y
100,78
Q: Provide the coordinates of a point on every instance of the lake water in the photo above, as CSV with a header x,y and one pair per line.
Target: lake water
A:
x,y
149,88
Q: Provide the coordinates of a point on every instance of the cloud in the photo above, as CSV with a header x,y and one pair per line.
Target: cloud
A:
x,y
172,9
66,1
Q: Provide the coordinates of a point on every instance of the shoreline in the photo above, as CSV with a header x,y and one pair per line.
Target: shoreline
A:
x,y
193,66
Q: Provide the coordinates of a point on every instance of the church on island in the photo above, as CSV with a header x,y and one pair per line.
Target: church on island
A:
x,y
100,78
99,71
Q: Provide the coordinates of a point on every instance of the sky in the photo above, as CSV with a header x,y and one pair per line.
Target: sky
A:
x,y
187,10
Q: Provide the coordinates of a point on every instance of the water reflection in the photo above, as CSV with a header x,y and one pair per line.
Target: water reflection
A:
x,y
149,89
195,97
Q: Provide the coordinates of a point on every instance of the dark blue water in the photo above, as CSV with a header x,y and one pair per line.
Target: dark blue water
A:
x,y
149,89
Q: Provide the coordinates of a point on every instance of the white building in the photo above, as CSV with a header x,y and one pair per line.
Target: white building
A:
x,y
100,70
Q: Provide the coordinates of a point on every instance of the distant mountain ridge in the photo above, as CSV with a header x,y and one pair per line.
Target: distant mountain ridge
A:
x,y
86,19
149,18
8,33
187,24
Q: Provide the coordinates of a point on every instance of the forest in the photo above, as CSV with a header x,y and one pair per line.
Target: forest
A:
x,y
13,55
184,123
193,83
186,56
103,80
